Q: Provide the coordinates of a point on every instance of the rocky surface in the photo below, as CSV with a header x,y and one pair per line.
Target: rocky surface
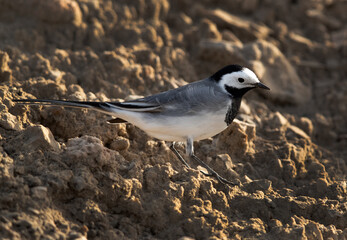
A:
x,y
68,174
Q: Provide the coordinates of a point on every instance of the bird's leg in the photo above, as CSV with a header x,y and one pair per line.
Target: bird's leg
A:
x,y
190,152
173,149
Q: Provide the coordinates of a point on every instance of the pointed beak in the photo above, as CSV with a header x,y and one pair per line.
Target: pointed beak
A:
x,y
260,85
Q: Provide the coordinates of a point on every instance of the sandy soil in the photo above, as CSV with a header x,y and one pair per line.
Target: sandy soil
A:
x,y
67,174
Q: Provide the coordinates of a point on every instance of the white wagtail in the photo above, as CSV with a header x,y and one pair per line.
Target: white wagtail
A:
x,y
193,112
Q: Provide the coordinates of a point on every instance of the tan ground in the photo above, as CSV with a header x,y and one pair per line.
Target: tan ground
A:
x,y
67,174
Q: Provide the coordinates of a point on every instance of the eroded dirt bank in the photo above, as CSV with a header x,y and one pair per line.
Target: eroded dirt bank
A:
x,y
67,174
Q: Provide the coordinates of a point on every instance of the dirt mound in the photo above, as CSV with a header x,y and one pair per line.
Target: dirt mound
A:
x,y
68,174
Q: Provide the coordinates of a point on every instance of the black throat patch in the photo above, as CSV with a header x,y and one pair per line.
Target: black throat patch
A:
x,y
236,92
232,110
236,96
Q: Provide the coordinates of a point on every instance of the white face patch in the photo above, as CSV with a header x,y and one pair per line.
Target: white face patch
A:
x,y
241,79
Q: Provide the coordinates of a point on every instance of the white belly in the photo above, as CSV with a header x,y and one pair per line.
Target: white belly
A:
x,y
180,128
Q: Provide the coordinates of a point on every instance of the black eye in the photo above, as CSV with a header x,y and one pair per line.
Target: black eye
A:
x,y
241,80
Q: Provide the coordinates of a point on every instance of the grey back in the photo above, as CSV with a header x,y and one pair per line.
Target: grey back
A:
x,y
189,99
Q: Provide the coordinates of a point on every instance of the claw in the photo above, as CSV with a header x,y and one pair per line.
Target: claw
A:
x,y
213,172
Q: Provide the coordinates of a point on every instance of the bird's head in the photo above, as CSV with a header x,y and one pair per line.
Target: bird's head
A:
x,y
237,80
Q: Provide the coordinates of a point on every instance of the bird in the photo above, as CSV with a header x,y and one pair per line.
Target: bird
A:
x,y
189,113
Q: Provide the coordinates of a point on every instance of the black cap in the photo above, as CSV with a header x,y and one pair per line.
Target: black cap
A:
x,y
225,70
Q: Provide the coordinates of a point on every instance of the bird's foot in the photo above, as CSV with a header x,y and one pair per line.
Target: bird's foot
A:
x,y
219,178
212,173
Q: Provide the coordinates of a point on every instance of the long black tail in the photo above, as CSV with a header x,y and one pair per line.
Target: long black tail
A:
x,y
97,106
